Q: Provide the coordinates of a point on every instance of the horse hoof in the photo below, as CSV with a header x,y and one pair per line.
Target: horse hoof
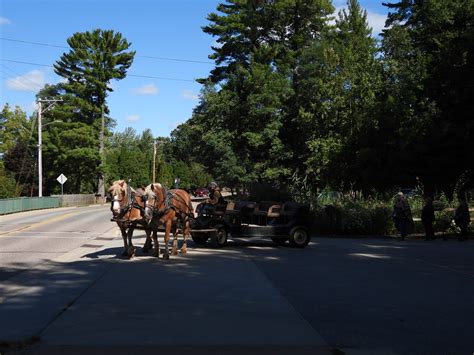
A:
x,y
184,251
166,257
125,253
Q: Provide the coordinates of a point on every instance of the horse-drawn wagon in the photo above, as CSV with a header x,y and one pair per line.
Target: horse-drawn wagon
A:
x,y
157,209
288,221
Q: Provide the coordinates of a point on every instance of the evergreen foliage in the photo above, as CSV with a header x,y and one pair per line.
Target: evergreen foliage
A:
x,y
293,94
295,101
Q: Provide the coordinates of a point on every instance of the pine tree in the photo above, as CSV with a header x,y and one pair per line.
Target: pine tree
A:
x,y
94,60
429,59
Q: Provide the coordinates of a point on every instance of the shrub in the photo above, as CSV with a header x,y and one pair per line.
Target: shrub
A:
x,y
353,218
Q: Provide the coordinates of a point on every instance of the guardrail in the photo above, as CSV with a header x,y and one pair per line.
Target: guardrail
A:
x,y
76,200
11,205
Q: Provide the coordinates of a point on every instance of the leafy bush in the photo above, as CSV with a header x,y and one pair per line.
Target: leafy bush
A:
x,y
353,218
359,216
267,192
7,184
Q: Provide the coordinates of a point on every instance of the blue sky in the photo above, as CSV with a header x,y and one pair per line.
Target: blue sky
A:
x,y
157,28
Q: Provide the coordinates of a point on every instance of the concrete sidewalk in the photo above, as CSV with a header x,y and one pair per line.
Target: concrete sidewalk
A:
x,y
208,301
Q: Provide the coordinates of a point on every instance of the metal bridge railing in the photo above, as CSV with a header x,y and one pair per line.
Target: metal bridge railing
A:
x,y
19,204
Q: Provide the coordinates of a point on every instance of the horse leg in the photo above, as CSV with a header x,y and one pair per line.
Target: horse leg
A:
x,y
186,232
174,251
166,255
123,231
157,245
147,246
131,248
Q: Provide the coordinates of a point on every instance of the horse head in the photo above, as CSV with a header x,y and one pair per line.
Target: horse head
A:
x,y
154,198
119,192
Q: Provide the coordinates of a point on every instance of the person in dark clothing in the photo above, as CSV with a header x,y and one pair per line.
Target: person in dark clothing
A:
x,y
215,198
402,216
427,219
462,217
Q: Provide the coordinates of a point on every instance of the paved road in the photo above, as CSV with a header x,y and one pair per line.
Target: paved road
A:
x,y
353,296
29,238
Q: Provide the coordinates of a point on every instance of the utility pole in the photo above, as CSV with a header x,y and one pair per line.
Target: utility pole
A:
x,y
40,153
51,102
154,160
101,183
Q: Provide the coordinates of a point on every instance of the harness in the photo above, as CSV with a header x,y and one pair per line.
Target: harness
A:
x,y
169,195
132,203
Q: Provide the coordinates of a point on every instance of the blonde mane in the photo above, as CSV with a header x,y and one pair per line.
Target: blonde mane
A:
x,y
119,187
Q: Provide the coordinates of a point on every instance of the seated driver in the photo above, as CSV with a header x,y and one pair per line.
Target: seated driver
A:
x,y
215,198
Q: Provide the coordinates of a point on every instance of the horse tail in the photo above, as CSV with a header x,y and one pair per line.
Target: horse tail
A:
x,y
190,208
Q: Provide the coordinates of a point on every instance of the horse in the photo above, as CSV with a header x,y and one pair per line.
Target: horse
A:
x,y
170,208
128,208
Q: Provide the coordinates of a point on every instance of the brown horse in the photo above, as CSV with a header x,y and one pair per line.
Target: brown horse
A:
x,y
172,208
128,210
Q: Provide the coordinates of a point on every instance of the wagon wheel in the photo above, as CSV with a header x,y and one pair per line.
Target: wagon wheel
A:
x,y
200,238
299,237
219,238
279,240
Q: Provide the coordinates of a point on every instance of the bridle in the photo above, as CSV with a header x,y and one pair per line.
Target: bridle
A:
x,y
152,208
119,196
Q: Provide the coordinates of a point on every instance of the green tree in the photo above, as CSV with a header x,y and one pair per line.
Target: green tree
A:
x,y
126,158
428,54
351,99
299,27
70,149
14,126
251,126
7,184
94,60
69,144
241,28
17,148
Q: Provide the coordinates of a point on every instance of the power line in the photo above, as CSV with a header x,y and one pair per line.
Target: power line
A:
x,y
30,42
175,59
133,75
22,62
159,77
20,78
138,56
10,77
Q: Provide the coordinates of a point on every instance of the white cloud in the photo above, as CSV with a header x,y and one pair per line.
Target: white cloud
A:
x,y
189,95
4,21
150,89
375,20
31,81
133,118
216,44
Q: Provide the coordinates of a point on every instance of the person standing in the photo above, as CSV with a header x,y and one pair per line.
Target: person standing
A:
x,y
462,217
402,215
427,219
